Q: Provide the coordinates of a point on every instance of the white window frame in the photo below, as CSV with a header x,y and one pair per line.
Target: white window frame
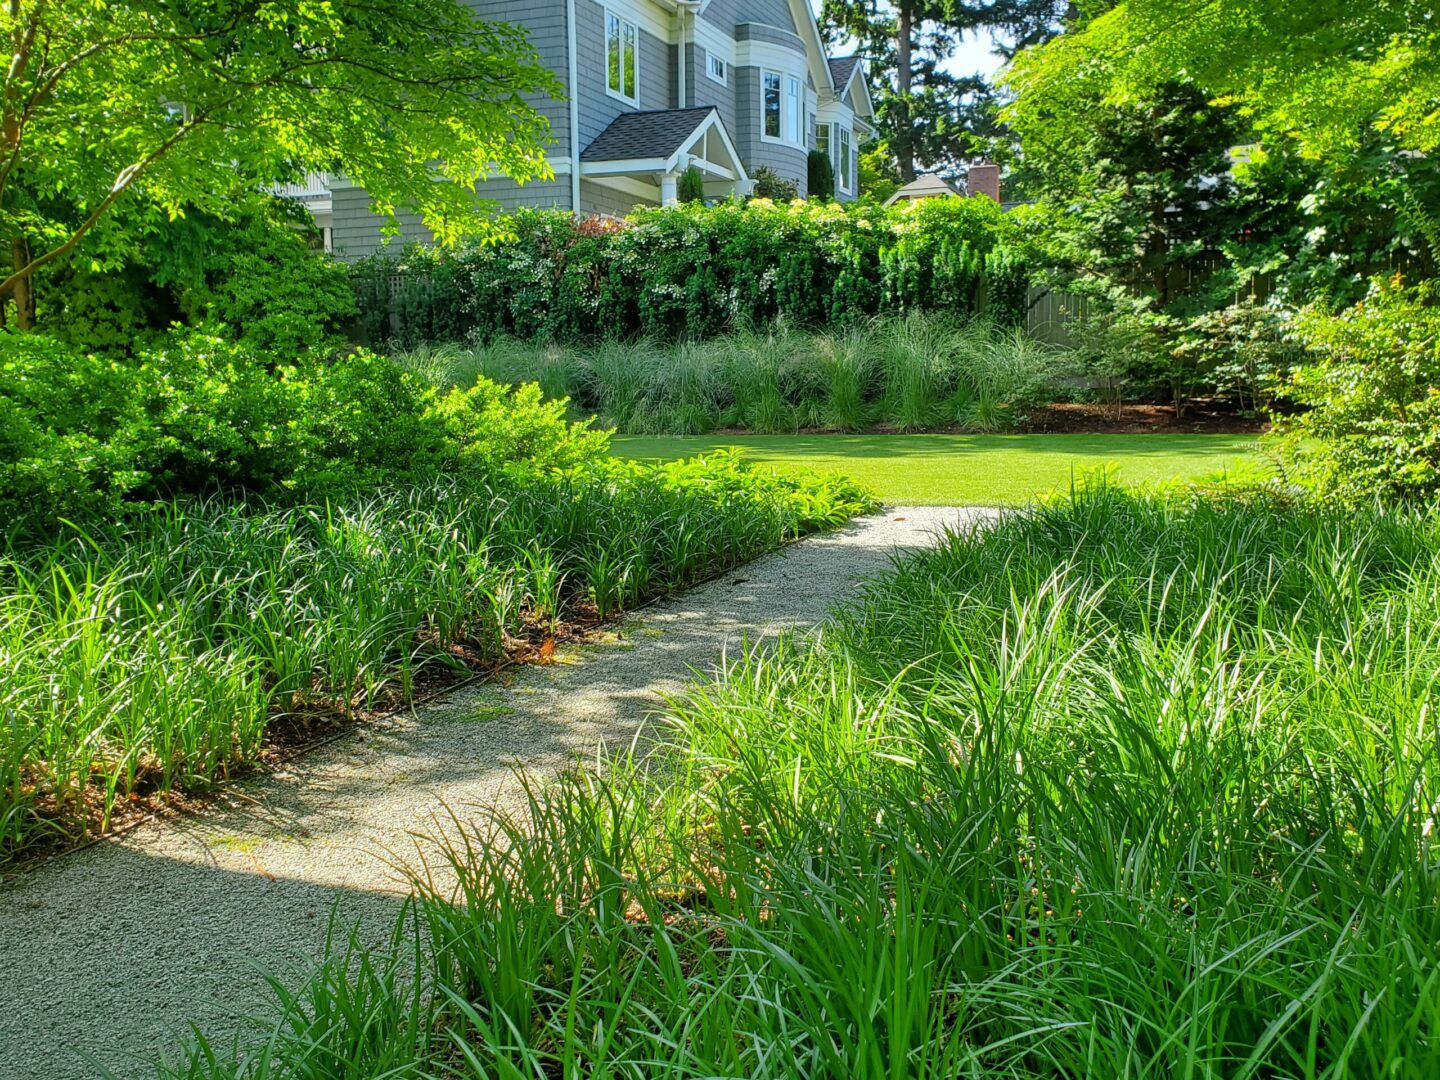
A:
x,y
632,98
792,109
779,136
844,141
711,60
825,126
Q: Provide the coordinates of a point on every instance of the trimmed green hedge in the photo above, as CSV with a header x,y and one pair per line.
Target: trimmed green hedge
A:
x,y
690,272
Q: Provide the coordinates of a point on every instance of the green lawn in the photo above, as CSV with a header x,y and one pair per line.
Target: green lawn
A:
x,y
981,470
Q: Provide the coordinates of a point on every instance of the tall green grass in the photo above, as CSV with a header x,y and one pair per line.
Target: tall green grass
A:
x,y
150,657
1120,786
914,373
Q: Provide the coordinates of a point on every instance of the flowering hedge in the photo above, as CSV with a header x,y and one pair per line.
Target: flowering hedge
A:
x,y
693,271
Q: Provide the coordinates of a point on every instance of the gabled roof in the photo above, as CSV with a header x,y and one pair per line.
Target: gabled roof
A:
x,y
841,68
664,141
656,133
928,186
846,71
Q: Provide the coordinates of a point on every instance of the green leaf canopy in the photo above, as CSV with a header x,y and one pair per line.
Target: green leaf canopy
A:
x,y
111,109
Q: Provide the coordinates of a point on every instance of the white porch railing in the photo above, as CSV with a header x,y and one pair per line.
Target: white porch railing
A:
x,y
315,187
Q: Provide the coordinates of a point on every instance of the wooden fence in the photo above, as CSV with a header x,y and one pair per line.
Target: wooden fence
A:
x,y
1051,314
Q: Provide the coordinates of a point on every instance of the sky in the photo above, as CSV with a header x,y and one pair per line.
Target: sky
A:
x,y
974,56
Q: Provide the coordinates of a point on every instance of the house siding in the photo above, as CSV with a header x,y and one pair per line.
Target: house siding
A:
x,y
727,14
599,199
544,20
656,73
767,24
786,39
356,230
703,90
787,161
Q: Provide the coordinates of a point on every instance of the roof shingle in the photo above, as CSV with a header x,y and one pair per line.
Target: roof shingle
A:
x,y
841,68
656,133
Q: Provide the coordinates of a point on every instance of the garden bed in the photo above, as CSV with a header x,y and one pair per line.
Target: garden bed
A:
x,y
1072,794
1201,418
150,660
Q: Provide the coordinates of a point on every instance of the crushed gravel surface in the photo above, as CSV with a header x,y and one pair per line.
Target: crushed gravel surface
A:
x,y
112,950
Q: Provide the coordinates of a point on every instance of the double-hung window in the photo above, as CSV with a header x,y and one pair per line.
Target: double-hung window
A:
x,y
622,40
844,160
822,139
794,104
770,104
782,108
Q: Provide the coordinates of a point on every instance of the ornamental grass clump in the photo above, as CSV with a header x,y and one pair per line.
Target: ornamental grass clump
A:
x,y
1118,785
154,655
913,373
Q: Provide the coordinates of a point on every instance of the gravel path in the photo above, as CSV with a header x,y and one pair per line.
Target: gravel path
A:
x,y
111,950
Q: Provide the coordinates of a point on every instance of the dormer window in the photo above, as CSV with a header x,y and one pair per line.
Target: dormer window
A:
x,y
621,60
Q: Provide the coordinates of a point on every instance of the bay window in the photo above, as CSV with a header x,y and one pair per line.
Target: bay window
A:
x,y
770,104
782,109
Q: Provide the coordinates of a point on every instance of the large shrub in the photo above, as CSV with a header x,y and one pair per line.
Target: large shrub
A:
x,y
1372,397
82,434
259,278
268,287
690,272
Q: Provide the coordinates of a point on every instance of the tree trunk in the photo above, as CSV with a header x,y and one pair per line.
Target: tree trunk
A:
x,y
905,152
24,290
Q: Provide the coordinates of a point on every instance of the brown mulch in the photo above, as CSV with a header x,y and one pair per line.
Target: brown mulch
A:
x,y
1077,418
1201,418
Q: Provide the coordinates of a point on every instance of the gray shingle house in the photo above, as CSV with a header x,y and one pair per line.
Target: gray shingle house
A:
x,y
653,87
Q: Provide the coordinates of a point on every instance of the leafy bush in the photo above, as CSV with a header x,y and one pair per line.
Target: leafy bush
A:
x,y
82,434
1113,786
771,185
691,272
1244,351
691,188
1372,425
258,279
269,289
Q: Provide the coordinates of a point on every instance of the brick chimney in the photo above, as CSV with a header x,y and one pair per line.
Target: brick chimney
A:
x,y
983,179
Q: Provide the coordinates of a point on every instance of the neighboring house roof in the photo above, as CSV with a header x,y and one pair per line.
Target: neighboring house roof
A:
x,y
928,186
656,133
841,68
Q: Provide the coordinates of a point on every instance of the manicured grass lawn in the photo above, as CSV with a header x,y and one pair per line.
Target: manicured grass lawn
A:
x,y
979,470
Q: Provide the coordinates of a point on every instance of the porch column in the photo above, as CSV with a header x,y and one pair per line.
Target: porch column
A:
x,y
669,188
